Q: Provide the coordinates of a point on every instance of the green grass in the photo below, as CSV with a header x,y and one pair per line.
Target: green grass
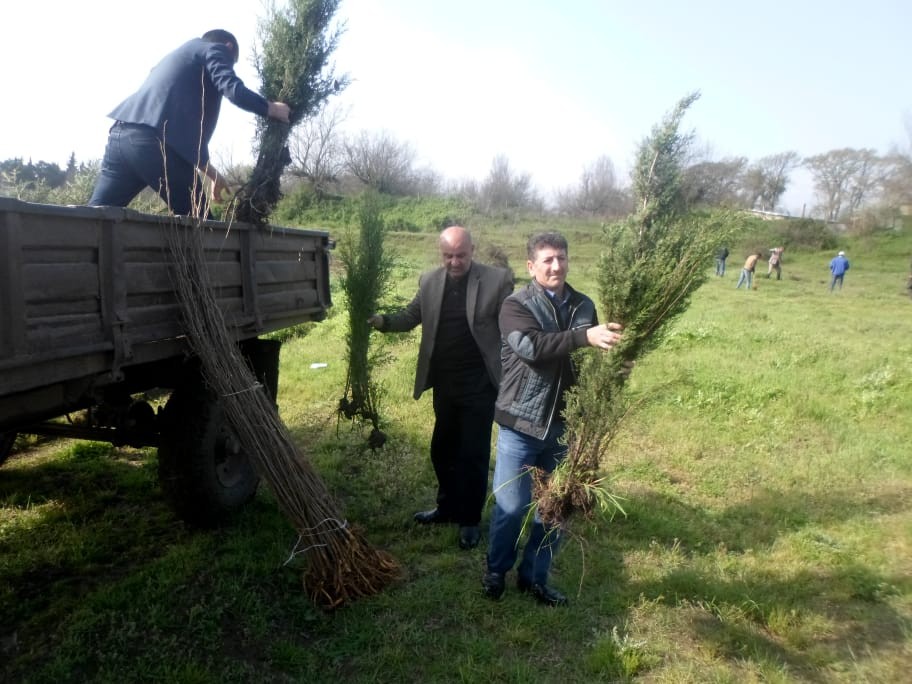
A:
x,y
765,476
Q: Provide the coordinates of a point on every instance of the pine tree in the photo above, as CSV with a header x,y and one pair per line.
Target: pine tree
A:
x,y
651,265
367,270
297,42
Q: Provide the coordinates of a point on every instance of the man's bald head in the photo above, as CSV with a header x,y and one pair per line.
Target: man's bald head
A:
x,y
456,251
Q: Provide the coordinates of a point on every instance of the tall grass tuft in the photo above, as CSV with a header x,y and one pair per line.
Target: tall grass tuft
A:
x,y
651,265
368,267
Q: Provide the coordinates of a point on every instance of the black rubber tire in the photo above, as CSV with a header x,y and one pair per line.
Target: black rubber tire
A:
x,y
7,439
203,470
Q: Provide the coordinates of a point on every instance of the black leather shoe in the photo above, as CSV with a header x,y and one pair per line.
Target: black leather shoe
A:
x,y
493,585
542,593
432,517
469,536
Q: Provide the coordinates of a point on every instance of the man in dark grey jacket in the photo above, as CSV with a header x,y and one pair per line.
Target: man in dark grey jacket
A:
x,y
541,325
160,137
457,306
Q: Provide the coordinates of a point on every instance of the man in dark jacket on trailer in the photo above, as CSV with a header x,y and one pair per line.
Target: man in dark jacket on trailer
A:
x,y
160,137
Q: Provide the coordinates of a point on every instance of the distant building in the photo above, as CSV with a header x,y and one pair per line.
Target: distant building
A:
x,y
769,215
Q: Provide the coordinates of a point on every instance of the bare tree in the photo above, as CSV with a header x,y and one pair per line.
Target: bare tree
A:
x,y
766,180
897,173
317,149
235,175
844,179
503,190
466,188
714,183
598,192
381,162
753,188
897,178
867,183
426,182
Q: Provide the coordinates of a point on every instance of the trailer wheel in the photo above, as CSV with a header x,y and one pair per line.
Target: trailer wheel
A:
x,y
7,439
204,471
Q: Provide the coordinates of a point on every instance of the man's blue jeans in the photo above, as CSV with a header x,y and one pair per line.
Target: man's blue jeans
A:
x,y
517,454
746,276
135,158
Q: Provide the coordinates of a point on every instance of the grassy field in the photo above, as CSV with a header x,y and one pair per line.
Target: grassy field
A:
x,y
766,480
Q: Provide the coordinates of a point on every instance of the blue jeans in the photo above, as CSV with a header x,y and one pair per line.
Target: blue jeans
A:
x,y
746,276
836,279
134,159
517,454
720,267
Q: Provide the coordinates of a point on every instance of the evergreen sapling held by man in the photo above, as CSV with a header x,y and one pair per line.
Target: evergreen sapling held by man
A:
x,y
651,265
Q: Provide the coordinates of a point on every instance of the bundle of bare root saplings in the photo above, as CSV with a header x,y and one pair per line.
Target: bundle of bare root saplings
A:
x,y
341,565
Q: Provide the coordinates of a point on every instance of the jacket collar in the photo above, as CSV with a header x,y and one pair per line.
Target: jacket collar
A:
x,y
570,294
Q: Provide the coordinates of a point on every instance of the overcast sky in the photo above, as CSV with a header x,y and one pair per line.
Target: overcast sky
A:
x,y
551,85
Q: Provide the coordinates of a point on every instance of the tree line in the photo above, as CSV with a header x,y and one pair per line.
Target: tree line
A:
x,y
330,164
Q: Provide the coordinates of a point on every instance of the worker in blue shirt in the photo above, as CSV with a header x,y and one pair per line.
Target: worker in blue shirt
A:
x,y
838,267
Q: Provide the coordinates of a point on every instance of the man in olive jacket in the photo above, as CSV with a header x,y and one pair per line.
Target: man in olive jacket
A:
x,y
457,306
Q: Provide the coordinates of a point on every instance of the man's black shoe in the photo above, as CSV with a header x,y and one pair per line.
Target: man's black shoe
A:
x,y
542,593
469,536
432,517
493,585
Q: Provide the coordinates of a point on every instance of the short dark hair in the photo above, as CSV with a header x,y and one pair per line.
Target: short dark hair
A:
x,y
223,36
549,239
